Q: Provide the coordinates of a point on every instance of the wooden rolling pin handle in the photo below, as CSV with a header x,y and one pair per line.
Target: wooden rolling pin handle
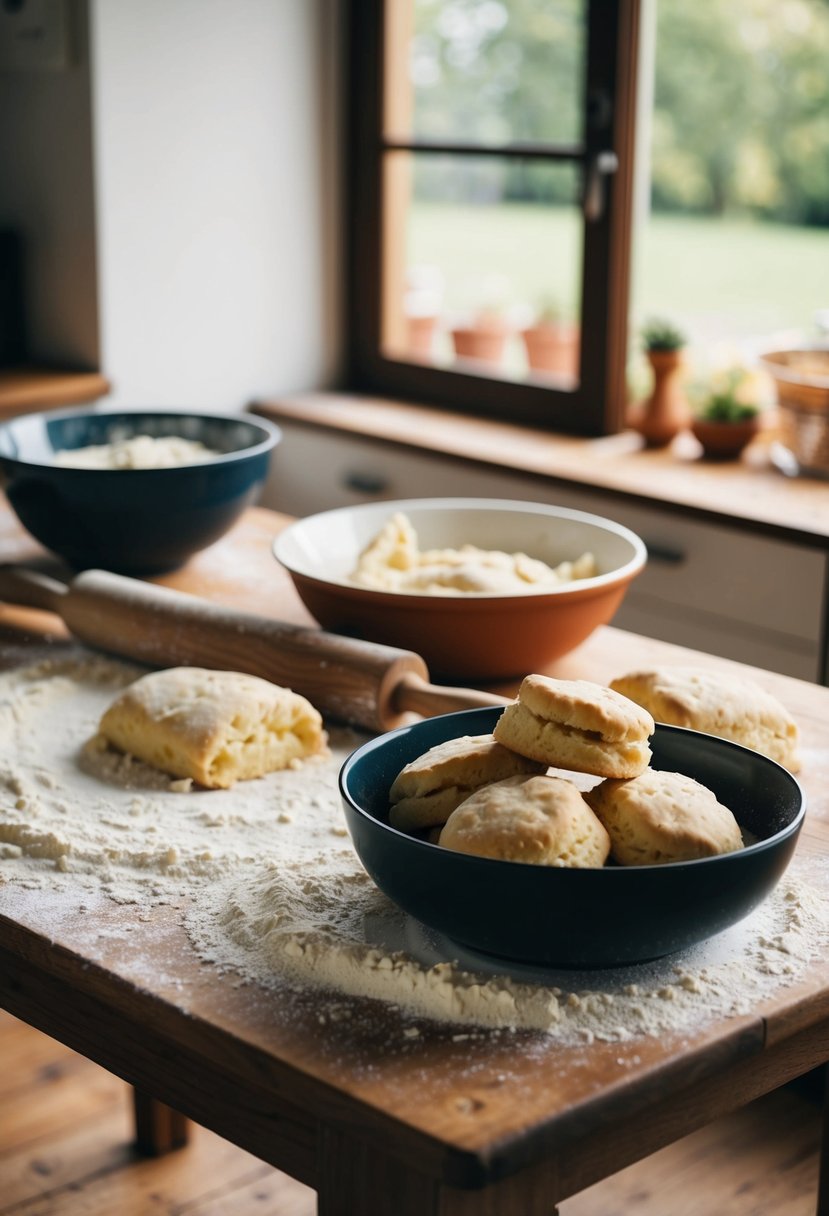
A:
x,y
413,694
31,589
343,677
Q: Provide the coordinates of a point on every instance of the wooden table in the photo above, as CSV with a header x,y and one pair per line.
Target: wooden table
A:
x,y
430,1125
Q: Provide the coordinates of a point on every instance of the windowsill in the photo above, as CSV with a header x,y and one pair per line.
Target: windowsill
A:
x,y
750,491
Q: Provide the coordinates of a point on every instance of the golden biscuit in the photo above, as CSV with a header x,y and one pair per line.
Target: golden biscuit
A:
x,y
718,704
425,792
660,817
543,821
576,725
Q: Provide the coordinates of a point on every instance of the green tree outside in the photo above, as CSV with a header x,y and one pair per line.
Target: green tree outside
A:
x,y
741,101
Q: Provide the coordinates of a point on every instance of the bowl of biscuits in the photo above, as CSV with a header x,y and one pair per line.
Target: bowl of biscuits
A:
x,y
570,829
480,588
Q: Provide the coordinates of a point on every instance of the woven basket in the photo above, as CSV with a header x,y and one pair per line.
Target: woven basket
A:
x,y
802,381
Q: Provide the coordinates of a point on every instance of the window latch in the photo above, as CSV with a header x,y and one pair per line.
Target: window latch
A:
x,y
599,165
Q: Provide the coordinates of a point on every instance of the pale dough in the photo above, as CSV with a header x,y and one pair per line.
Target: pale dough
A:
x,y
393,561
139,452
216,727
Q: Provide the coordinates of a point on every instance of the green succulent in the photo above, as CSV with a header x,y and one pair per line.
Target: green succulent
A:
x,y
661,335
722,402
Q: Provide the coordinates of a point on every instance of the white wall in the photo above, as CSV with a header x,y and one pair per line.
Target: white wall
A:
x,y
177,183
215,156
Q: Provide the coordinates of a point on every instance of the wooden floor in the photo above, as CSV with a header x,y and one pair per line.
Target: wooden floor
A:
x,y
65,1130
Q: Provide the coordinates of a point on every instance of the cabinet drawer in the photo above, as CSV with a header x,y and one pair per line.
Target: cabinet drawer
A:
x,y
714,634
725,571
313,471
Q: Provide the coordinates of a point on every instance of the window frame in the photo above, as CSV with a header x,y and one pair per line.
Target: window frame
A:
x,y
596,406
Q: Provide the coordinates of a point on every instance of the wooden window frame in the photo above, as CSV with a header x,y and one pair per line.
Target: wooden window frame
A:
x,y
596,405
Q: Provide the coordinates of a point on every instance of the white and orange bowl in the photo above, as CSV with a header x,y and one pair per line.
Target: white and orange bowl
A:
x,y
465,636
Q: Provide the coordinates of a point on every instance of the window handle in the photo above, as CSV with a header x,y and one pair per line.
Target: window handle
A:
x,y
599,165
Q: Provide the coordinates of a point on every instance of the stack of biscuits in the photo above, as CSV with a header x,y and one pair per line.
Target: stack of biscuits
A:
x,y
494,796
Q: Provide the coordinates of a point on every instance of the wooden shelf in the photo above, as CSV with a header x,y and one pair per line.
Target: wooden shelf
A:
x,y
747,493
23,389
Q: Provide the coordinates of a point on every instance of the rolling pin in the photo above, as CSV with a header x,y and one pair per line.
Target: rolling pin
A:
x,y
364,683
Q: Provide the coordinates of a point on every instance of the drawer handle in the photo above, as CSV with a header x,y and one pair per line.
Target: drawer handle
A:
x,y
664,554
365,483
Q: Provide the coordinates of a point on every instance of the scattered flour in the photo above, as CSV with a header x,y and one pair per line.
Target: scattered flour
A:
x,y
274,893
70,804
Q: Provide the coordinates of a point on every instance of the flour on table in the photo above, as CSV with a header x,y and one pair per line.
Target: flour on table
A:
x,y
71,806
275,893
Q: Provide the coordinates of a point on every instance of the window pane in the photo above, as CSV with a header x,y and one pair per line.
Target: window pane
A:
x,y
485,71
477,252
733,241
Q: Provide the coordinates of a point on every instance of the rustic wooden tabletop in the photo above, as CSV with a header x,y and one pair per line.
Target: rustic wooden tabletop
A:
x,y
377,1122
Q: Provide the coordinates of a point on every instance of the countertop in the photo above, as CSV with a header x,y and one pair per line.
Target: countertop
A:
x,y
750,492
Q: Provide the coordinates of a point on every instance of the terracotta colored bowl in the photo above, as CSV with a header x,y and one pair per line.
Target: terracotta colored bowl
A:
x,y
479,636
724,440
486,342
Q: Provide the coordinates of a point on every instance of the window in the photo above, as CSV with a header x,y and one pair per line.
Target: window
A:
x,y
491,177
731,239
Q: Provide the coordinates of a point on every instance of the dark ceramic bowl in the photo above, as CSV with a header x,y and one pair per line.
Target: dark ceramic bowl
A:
x,y
573,917
135,521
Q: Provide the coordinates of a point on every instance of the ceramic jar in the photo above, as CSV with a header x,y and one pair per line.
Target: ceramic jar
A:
x,y
666,411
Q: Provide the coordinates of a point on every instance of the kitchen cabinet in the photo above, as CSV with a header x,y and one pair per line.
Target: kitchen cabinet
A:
x,y
715,586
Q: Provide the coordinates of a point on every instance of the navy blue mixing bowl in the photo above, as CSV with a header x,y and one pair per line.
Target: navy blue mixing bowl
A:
x,y
135,521
576,917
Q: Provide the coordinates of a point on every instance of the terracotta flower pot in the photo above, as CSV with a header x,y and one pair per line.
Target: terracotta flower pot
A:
x,y
552,347
484,342
666,411
420,334
724,440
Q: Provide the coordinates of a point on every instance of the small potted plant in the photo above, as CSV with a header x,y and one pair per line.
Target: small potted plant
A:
x,y
666,411
421,329
551,342
421,307
727,414
483,338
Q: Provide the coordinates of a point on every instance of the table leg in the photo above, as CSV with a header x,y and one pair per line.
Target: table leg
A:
x,y
158,1128
354,1177
822,1208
